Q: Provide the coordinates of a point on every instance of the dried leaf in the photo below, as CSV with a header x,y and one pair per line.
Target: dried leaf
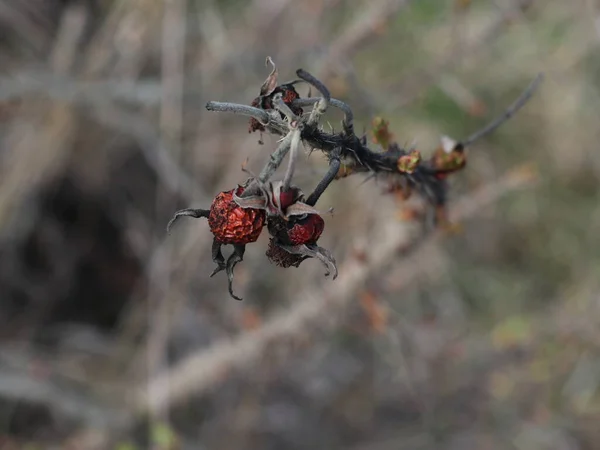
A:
x,y
270,83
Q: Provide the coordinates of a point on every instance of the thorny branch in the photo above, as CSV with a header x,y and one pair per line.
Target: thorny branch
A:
x,y
347,123
237,216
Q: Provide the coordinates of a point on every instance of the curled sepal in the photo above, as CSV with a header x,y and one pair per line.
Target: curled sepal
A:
x,y
188,212
299,209
270,83
228,266
268,91
253,201
314,251
281,199
275,200
236,257
260,197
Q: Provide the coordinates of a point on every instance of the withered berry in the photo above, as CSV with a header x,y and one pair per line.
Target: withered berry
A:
x,y
282,258
232,224
306,230
295,239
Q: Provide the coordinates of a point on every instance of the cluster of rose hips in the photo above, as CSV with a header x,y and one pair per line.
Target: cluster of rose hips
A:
x,y
238,216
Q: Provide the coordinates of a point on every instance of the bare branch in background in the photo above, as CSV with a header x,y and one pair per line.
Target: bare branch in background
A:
x,y
173,45
362,28
510,111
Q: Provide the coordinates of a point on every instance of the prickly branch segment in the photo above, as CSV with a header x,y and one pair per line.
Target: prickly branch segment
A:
x,y
237,216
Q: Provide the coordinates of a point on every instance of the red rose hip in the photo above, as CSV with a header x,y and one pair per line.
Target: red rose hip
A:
x,y
306,230
232,224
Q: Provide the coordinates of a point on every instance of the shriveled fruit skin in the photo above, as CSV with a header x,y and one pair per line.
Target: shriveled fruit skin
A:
x,y
231,224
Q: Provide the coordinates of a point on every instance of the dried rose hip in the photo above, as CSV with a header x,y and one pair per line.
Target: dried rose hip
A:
x,y
281,257
305,230
295,240
295,226
230,224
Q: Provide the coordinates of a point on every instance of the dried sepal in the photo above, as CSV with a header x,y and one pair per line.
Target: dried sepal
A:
x,y
268,90
250,202
299,209
270,83
187,212
314,251
276,200
236,256
230,224
281,257
298,237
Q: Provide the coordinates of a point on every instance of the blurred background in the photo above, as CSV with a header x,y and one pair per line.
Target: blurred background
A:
x,y
112,334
